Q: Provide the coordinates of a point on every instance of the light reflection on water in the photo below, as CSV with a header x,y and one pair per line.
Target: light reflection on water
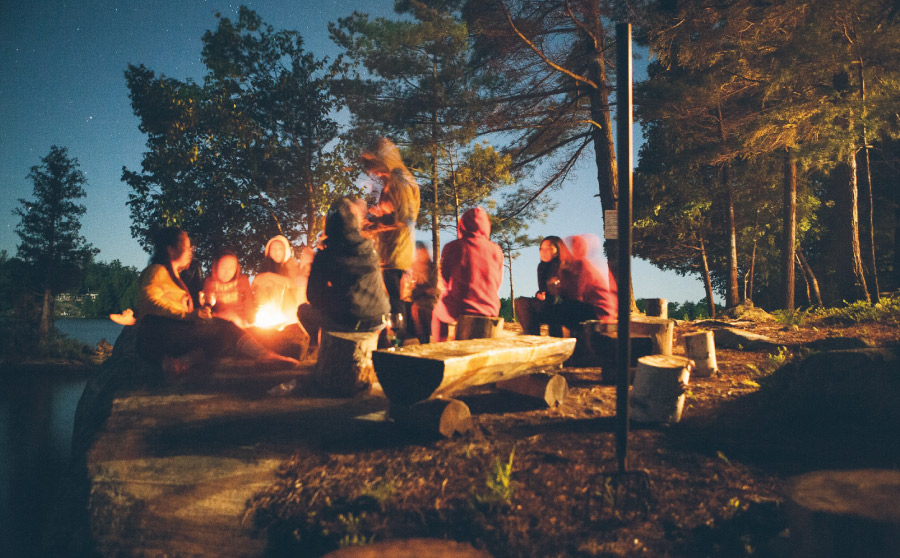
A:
x,y
37,411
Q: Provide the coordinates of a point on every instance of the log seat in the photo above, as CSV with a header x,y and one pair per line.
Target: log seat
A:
x,y
415,373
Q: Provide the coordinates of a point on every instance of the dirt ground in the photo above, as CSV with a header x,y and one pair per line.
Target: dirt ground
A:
x,y
538,482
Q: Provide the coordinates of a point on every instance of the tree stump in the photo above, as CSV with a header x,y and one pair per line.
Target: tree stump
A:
x,y
657,307
551,389
845,513
344,366
434,416
660,330
701,348
659,382
478,327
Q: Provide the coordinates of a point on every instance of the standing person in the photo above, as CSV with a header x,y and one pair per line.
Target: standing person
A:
x,y
227,290
529,310
345,292
171,331
392,219
472,267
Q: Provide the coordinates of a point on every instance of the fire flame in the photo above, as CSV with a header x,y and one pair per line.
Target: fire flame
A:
x,y
271,316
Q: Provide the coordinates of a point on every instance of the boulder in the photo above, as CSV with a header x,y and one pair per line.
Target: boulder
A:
x,y
732,338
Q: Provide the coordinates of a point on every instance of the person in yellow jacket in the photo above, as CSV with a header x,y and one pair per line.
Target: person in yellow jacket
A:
x,y
171,331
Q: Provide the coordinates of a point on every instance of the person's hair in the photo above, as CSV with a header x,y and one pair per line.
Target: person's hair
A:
x,y
557,243
421,245
169,237
225,253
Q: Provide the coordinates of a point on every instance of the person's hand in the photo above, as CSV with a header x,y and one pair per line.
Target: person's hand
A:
x,y
204,313
554,286
541,295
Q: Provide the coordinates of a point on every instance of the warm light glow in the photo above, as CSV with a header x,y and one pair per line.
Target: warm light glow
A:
x,y
271,316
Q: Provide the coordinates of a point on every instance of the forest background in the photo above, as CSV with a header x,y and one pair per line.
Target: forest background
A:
x,y
770,136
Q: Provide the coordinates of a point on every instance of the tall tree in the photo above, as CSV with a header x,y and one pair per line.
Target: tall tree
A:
x,y
548,62
248,153
410,78
50,228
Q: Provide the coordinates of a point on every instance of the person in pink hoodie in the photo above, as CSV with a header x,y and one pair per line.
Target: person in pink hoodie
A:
x,y
472,269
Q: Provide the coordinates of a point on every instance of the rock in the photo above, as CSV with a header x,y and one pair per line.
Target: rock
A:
x,y
838,344
731,338
747,311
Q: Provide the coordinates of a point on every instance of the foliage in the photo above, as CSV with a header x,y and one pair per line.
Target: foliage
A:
x,y
115,285
887,310
245,155
498,483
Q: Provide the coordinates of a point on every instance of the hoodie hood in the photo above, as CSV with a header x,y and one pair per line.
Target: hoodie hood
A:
x,y
475,222
288,251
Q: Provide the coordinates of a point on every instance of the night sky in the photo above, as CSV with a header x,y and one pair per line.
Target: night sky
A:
x,y
62,83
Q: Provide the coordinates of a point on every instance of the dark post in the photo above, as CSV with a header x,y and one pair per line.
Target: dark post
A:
x,y
623,160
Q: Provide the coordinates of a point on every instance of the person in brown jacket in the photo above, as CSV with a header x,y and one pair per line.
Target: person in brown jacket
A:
x,y
392,220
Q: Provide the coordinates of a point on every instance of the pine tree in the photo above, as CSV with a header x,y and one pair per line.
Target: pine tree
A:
x,y
50,229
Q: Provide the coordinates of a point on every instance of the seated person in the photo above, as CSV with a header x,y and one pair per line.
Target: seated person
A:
x,y
424,292
346,292
472,268
227,291
529,310
586,288
171,330
280,279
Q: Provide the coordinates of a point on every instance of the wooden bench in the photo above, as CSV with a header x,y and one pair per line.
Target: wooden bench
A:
x,y
415,373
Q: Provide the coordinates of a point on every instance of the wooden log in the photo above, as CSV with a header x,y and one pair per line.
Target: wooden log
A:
x,y
414,373
660,330
434,416
658,393
835,514
411,548
550,388
291,340
478,327
701,348
344,366
657,307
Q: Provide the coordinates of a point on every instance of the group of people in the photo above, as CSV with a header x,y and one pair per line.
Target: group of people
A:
x,y
574,285
365,273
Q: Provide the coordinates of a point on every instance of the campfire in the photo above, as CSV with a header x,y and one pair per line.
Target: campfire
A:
x,y
271,316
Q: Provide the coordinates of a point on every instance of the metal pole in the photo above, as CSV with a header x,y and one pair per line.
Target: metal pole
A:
x,y
623,161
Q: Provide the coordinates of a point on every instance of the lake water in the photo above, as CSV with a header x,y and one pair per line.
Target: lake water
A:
x,y
37,410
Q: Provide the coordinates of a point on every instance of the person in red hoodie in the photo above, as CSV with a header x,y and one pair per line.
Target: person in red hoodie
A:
x,y
472,269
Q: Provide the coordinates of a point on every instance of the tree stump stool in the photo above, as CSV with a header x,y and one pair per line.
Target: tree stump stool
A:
x,y
434,416
478,327
657,307
837,514
659,383
701,348
551,389
344,366
660,330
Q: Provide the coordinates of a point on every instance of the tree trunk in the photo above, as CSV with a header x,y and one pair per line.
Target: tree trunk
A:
x,y
813,283
707,282
435,211
858,278
46,316
870,207
512,295
731,288
790,227
748,279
